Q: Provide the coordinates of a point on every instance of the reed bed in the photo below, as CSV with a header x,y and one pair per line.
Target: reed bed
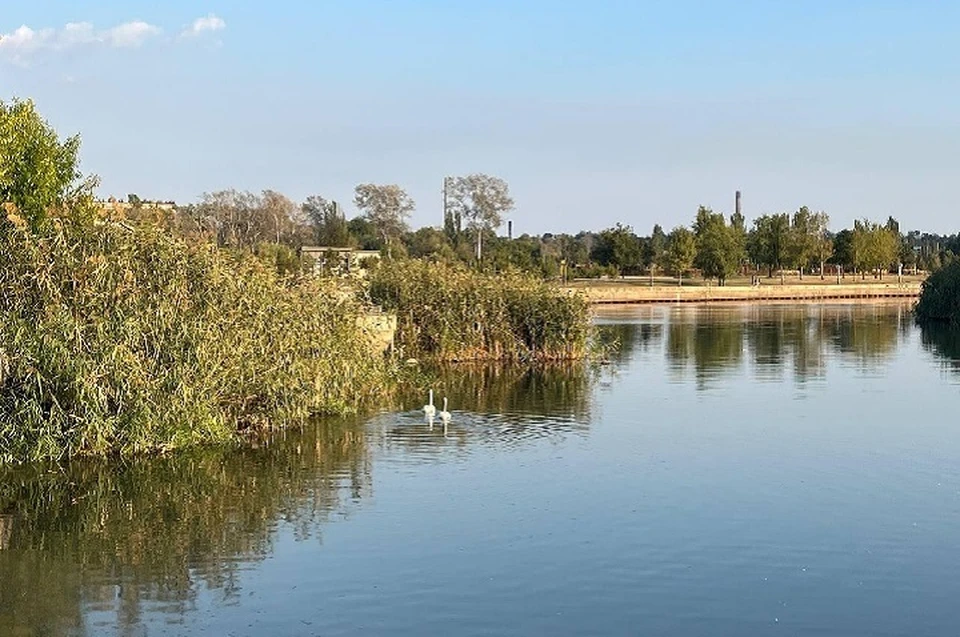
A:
x,y
131,340
450,313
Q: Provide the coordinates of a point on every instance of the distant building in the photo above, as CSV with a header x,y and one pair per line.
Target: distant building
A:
x,y
338,260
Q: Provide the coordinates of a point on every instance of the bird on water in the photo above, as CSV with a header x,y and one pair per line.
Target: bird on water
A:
x,y
429,410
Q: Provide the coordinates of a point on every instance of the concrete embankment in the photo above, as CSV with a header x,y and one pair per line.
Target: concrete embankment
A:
x,y
612,293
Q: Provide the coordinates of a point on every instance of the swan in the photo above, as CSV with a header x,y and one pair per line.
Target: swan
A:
x,y
429,410
445,415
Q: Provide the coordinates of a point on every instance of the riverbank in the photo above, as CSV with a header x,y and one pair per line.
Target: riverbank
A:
x,y
612,293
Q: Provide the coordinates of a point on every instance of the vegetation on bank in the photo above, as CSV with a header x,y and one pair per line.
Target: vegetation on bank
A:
x,y
940,296
448,312
134,340
124,331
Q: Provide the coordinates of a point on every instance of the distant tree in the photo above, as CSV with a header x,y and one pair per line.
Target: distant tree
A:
x,y
37,170
822,244
768,241
618,247
717,254
429,242
801,240
655,249
387,207
681,251
874,247
738,229
327,222
481,200
279,213
363,231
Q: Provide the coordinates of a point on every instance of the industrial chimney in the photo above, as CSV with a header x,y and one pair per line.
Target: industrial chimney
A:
x,y
737,207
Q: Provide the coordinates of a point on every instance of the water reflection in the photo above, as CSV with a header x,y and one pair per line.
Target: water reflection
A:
x,y
944,342
773,342
498,405
149,535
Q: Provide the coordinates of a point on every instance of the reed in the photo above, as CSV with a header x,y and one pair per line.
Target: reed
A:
x,y
450,313
125,340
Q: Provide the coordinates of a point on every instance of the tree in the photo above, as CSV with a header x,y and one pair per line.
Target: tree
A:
x,y
278,213
327,221
681,251
768,240
738,229
874,247
481,200
716,250
801,244
387,207
822,244
37,170
843,249
618,247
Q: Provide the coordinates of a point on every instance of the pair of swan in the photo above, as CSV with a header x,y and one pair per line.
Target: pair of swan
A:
x,y
430,411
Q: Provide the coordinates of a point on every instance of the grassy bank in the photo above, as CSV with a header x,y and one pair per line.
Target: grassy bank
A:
x,y
119,340
451,313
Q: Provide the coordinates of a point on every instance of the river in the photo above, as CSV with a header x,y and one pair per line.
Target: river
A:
x,y
735,470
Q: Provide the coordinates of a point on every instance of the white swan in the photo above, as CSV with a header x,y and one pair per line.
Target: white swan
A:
x,y
429,410
445,415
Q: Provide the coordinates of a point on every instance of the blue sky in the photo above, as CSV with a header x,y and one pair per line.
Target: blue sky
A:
x,y
593,112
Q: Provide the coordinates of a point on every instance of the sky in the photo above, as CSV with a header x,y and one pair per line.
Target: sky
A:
x,y
594,112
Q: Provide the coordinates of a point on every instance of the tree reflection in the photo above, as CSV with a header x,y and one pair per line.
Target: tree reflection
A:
x,y
155,531
944,342
775,339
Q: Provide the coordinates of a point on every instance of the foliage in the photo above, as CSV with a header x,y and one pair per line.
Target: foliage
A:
x,y
940,296
449,312
618,247
38,172
874,247
327,221
480,199
120,340
717,254
681,251
387,207
768,241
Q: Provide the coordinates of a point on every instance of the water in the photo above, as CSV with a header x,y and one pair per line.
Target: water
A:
x,y
747,470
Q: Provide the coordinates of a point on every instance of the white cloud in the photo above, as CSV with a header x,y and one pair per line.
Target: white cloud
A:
x,y
24,42
202,25
131,34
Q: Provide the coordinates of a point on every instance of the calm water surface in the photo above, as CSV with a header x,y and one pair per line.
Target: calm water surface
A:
x,y
740,470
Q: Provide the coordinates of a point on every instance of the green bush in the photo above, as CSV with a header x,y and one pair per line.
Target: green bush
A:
x,y
447,312
940,295
128,340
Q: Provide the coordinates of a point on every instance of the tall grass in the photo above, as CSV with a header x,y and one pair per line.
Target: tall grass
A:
x,y
120,340
449,313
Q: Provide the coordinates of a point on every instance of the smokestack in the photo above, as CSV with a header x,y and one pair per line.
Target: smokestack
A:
x,y
738,203
510,229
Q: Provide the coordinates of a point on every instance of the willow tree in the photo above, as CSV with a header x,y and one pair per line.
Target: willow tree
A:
x,y
38,171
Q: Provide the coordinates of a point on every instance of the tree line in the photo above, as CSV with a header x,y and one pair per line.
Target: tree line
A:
x,y
714,246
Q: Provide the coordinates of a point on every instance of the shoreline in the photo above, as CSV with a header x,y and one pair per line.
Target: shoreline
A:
x,y
639,295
